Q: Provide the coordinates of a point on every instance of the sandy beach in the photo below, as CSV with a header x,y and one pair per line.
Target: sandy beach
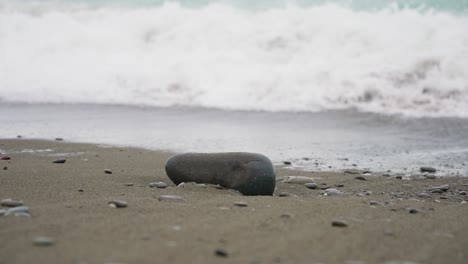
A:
x,y
387,220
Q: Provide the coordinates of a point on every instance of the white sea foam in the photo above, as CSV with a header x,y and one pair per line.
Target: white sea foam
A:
x,y
290,59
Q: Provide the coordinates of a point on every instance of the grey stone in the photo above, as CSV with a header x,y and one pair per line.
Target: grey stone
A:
x,y
376,203
462,193
438,189
3,212
339,223
43,241
424,195
353,171
118,204
249,173
286,194
414,211
23,214
58,139
298,179
427,169
361,178
311,185
430,176
332,192
59,161
171,198
108,171
11,202
241,204
161,185
18,209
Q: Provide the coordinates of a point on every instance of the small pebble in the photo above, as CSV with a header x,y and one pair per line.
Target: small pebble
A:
x,y
430,176
80,190
427,169
376,203
339,185
287,163
11,203
5,168
5,158
414,211
22,214
285,194
241,204
181,185
332,191
19,136
18,209
108,171
462,193
311,185
129,184
424,195
353,171
60,161
219,252
361,178
58,139
118,204
169,198
201,185
299,179
161,185
339,223
398,177
43,241
3,212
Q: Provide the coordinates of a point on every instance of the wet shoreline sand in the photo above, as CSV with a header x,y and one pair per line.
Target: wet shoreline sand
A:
x,y
69,203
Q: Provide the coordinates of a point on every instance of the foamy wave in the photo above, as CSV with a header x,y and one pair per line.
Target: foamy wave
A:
x,y
291,59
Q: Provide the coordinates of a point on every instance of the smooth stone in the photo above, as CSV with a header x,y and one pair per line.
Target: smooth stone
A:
x,y
129,184
11,203
311,185
298,179
58,139
18,209
430,176
171,198
332,192
462,193
108,171
376,203
5,158
361,178
353,171
220,252
118,204
249,173
427,169
287,162
442,188
339,223
61,161
22,214
5,168
424,195
286,194
414,211
161,185
241,204
43,241
3,212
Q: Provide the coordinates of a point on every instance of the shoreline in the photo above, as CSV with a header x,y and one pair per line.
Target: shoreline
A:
x,y
69,203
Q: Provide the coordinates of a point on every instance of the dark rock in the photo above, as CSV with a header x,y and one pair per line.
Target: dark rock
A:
x,y
353,171
59,161
439,189
161,185
361,178
19,136
462,193
398,177
129,184
332,192
414,211
5,168
376,203
5,158
339,185
118,204
251,174
80,190
427,169
58,139
219,252
339,223
11,203
286,194
287,163
108,171
311,185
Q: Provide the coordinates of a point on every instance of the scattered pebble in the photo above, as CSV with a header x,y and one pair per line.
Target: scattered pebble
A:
x,y
462,193
129,184
241,204
23,214
118,204
5,158
361,178
169,198
59,161
161,185
11,203
3,212
219,252
181,185
353,171
339,185
5,168
43,241
332,191
430,176
311,185
376,203
424,195
201,185
19,136
299,179
58,139
414,211
439,189
399,177
80,190
287,163
286,194
18,209
108,171
427,169
339,223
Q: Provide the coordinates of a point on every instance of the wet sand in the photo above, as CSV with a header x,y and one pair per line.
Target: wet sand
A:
x,y
69,203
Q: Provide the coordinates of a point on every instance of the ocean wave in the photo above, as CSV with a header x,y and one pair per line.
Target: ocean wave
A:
x,y
391,61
